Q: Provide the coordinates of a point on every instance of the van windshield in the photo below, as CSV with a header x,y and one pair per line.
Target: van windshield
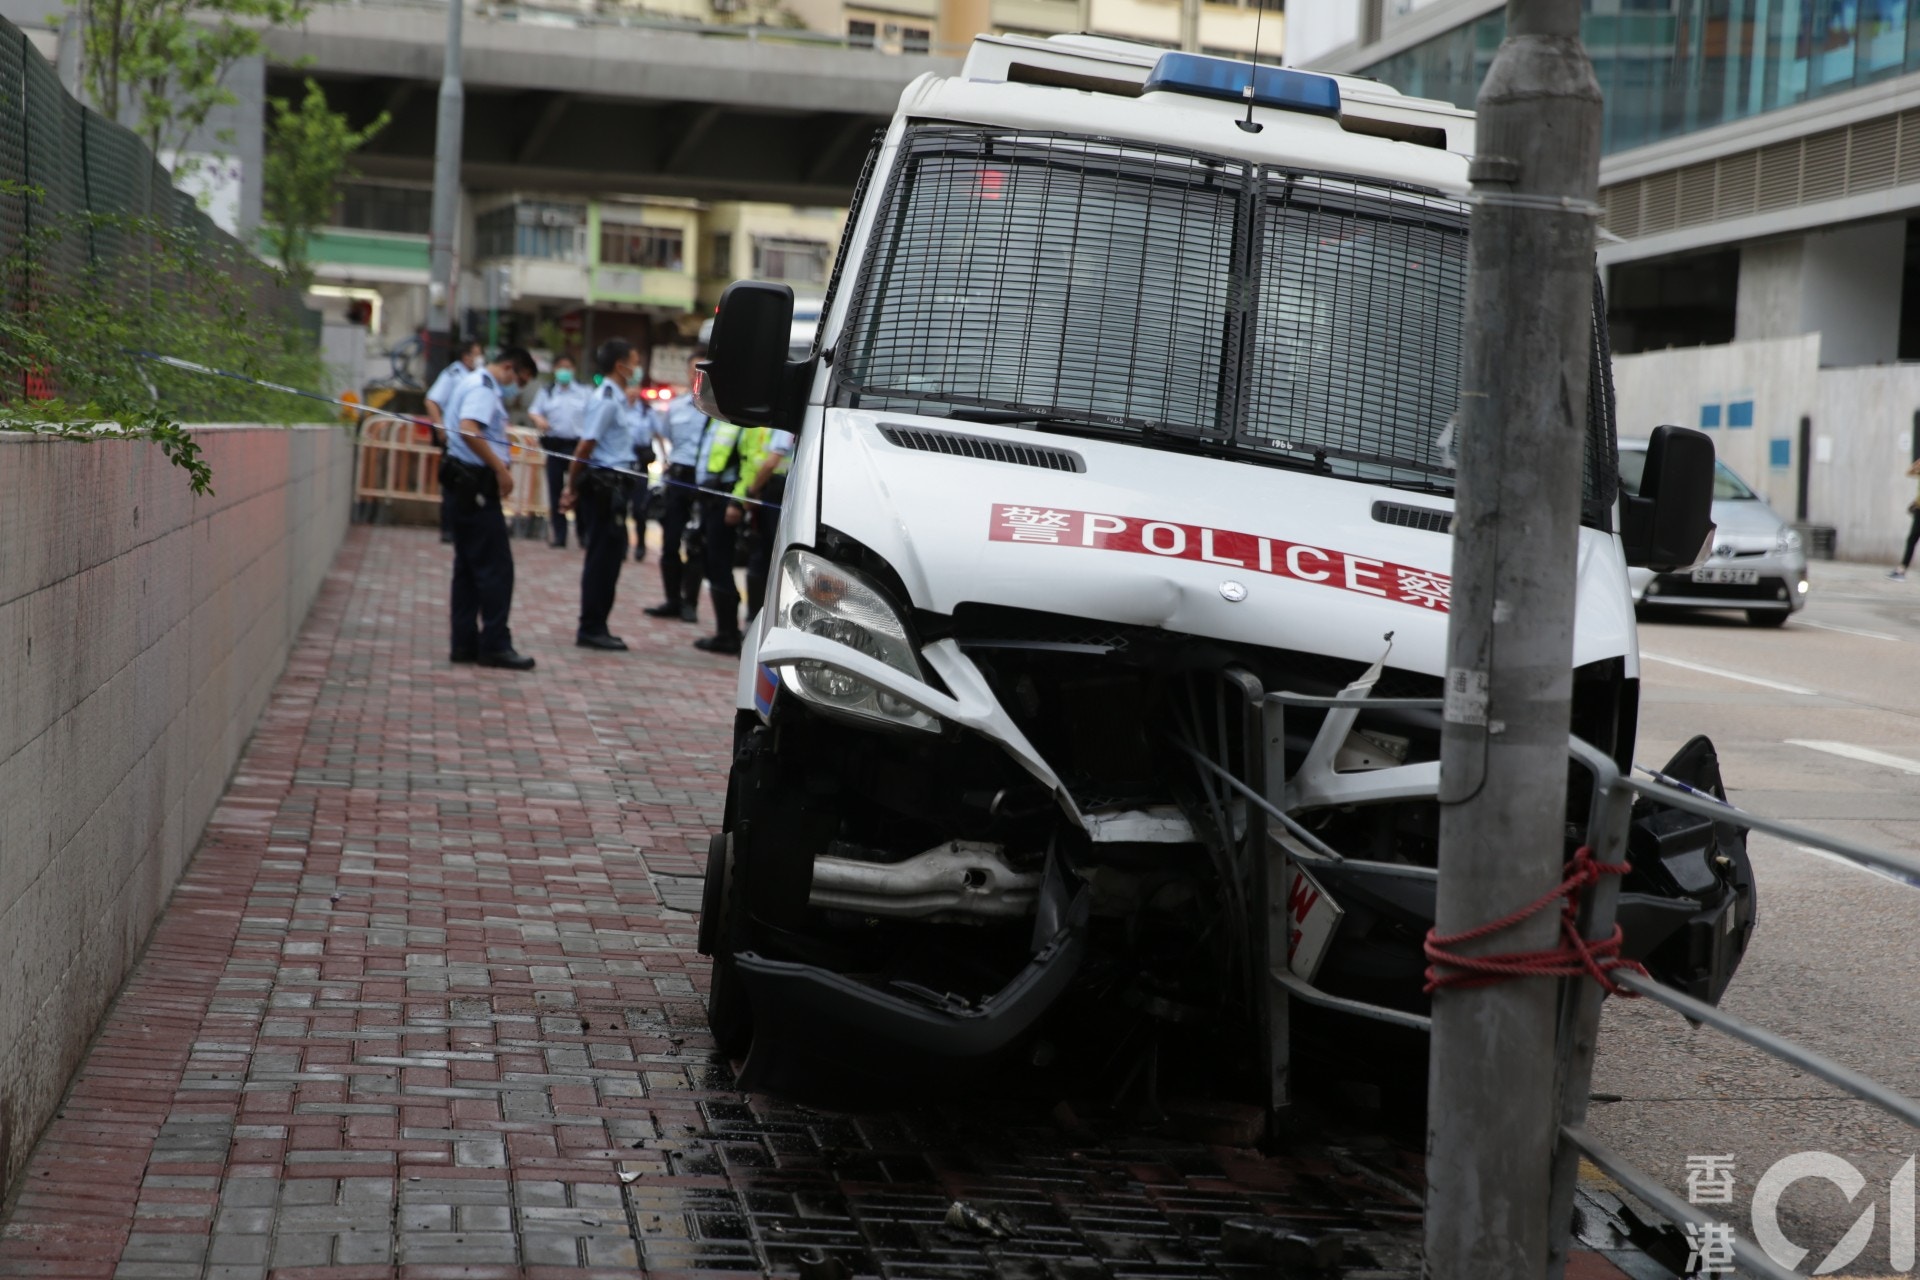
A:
x,y
1171,296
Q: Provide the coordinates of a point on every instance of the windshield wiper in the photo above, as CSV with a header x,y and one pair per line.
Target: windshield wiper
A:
x,y
1019,417
1072,424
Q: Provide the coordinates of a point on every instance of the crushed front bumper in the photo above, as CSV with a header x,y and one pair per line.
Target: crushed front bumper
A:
x,y
871,1038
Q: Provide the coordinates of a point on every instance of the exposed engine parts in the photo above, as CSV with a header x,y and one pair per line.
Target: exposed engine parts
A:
x,y
959,880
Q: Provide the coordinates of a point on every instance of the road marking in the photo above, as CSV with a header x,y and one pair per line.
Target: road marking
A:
x,y
1882,872
1866,755
1850,631
1725,674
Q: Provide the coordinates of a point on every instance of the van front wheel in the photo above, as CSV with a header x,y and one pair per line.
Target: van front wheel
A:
x,y
729,1016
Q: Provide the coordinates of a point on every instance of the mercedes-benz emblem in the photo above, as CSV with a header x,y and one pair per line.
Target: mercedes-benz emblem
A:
x,y
1233,592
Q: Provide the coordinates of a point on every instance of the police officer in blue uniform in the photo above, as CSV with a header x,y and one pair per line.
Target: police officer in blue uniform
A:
x,y
439,399
556,414
718,473
679,427
599,482
476,478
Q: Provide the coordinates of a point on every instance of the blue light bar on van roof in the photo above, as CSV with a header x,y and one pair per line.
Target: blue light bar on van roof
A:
x,y
1226,79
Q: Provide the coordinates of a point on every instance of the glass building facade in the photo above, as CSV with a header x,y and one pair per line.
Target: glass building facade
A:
x,y
1670,67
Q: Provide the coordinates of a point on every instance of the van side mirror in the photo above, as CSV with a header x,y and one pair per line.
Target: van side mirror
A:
x,y
747,379
1668,525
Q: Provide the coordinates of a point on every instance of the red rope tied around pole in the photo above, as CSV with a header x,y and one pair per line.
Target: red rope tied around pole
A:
x,y
1574,957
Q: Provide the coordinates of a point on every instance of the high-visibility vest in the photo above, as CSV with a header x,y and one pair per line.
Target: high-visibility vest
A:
x,y
754,442
720,455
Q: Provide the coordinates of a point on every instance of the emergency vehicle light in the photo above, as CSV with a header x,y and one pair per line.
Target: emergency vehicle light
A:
x,y
1223,78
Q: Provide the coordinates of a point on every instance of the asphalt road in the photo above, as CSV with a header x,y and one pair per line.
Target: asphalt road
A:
x,y
1817,724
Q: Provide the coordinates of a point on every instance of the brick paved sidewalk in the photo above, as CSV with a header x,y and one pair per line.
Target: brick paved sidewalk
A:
x,y
427,1004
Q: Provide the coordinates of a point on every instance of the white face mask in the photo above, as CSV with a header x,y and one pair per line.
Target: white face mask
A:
x,y
472,362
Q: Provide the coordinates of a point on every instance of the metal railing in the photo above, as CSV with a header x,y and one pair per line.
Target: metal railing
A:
x,y
1608,824
1576,1043
399,462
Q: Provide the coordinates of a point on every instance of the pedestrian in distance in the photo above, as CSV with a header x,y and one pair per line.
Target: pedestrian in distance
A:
x,y
718,472
478,479
1913,531
679,428
555,414
599,483
439,398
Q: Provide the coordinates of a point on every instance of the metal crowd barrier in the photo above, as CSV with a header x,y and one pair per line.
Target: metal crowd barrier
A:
x,y
1608,824
399,462
529,467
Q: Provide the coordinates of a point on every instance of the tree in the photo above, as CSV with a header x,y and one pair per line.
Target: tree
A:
x,y
308,152
161,66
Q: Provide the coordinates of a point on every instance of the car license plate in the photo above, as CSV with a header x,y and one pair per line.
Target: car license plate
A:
x,y
1727,577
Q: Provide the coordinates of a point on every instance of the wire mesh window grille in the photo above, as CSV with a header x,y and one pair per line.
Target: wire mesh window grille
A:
x,y
848,226
1312,319
1062,276
1355,351
1601,479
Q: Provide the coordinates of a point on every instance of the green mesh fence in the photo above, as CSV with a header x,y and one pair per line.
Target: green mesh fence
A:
x,y
64,166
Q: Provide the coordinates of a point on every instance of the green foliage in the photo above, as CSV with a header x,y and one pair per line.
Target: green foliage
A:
x,y
550,335
162,65
308,148
69,336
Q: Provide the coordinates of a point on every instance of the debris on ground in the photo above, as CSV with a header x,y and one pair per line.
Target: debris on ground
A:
x,y
962,1216
1280,1246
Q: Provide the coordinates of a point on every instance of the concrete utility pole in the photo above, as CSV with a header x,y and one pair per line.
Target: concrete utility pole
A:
x,y
1520,447
957,22
446,200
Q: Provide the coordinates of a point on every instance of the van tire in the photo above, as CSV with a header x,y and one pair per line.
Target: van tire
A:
x,y
729,1015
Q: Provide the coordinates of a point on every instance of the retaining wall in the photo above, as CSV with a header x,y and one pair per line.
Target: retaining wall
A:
x,y
141,631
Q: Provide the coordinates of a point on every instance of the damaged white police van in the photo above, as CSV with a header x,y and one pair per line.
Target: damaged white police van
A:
x,y
1127,414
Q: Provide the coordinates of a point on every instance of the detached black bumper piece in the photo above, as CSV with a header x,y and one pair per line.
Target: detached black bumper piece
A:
x,y
825,1037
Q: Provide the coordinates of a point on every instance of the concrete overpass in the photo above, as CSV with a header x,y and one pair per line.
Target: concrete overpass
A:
x,y
565,104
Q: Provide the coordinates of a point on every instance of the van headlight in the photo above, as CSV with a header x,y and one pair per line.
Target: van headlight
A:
x,y
821,598
1788,541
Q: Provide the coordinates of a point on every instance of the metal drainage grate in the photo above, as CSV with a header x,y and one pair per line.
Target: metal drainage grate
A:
x,y
1024,455
1413,517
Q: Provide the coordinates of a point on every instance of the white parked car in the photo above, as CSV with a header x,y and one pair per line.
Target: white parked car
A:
x,y
1757,563
1120,416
